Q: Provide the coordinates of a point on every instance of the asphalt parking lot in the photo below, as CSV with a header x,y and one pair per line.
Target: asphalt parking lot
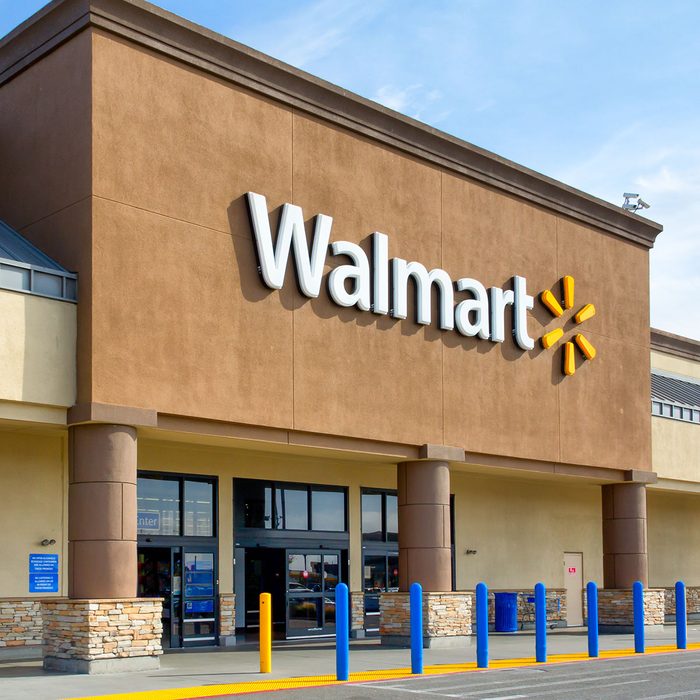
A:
x,y
640,677
381,671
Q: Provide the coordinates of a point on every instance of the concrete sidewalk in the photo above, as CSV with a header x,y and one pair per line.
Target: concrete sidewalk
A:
x,y
206,668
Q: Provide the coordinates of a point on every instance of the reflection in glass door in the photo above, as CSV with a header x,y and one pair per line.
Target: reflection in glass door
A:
x,y
199,598
155,579
381,573
311,581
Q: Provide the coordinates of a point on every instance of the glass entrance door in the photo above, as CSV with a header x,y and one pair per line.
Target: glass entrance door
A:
x,y
311,581
381,573
156,577
189,603
199,597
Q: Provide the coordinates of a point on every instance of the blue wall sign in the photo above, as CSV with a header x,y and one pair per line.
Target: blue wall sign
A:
x,y
43,573
148,521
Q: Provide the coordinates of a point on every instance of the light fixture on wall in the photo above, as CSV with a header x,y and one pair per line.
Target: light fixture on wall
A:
x,y
47,543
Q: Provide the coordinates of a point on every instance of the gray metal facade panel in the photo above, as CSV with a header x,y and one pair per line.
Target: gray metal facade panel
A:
x,y
24,268
13,246
673,390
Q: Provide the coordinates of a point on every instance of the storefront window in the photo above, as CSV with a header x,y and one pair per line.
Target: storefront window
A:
x,y
174,506
292,508
380,518
282,506
255,498
158,506
372,516
392,518
199,508
327,510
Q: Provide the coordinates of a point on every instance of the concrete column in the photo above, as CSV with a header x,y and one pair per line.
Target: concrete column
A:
x,y
425,553
102,512
625,535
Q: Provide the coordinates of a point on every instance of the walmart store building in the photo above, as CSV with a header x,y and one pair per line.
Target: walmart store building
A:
x,y
260,334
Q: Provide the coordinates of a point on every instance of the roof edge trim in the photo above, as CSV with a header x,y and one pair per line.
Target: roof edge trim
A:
x,y
161,31
678,345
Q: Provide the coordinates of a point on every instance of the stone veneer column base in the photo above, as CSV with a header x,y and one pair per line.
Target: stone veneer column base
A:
x,y
227,619
446,619
357,615
692,602
616,612
101,666
102,636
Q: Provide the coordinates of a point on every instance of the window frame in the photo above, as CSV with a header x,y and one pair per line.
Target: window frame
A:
x,y
180,479
384,541
276,487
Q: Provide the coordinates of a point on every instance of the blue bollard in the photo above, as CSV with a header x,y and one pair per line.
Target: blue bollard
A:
x,y
540,623
592,603
482,626
342,633
416,612
638,604
681,617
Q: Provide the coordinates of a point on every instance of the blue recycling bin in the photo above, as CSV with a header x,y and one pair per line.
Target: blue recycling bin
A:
x,y
506,612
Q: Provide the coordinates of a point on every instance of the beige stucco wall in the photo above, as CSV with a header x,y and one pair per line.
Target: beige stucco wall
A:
x,y
675,444
675,449
227,464
521,530
33,484
677,365
536,522
37,349
674,538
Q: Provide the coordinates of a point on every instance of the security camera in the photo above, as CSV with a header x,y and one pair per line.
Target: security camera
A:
x,y
628,195
643,204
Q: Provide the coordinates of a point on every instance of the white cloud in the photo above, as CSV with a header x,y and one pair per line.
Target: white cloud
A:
x,y
413,100
667,181
662,166
307,35
396,98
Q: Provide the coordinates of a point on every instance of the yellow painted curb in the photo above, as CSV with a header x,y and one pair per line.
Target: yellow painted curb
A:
x,y
212,691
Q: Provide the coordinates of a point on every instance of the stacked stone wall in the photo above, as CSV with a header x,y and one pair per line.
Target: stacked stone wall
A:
x,y
357,610
20,622
555,602
227,615
615,607
692,602
444,614
91,630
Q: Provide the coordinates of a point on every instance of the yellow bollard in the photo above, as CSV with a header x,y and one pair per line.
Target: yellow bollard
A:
x,y
265,633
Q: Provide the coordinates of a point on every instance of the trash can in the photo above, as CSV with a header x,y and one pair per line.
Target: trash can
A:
x,y
506,612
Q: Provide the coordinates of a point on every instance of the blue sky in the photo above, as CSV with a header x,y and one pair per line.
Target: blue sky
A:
x,y
602,95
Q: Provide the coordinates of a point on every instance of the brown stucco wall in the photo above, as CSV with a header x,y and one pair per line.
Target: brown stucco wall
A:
x,y
46,173
178,320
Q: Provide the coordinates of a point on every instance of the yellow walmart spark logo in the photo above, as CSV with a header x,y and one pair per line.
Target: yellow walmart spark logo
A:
x,y
550,339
